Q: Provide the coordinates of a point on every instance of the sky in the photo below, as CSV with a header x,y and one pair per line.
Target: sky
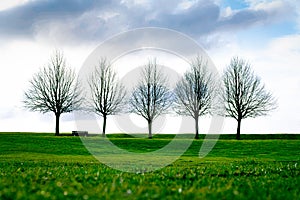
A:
x,y
263,32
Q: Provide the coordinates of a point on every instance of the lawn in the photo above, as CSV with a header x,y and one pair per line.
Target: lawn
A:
x,y
42,166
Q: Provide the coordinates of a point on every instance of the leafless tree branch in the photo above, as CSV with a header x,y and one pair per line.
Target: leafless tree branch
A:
x,y
54,89
151,97
195,92
244,94
108,94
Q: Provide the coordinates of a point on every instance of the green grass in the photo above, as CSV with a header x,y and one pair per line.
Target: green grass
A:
x,y
42,166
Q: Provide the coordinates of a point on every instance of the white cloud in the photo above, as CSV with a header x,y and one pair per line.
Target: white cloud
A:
x,y
6,4
108,15
290,43
278,65
86,21
184,5
227,12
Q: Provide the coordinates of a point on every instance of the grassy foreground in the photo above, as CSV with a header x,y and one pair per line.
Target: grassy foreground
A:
x,y
42,166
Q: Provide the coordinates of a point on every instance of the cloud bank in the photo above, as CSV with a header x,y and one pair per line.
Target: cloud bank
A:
x,y
69,21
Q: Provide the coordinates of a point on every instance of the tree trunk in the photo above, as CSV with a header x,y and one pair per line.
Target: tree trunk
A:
x,y
150,129
196,127
238,131
104,125
57,124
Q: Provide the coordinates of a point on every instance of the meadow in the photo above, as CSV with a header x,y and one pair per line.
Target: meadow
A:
x,y
42,166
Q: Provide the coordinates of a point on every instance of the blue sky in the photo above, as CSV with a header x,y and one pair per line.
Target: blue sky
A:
x,y
264,32
235,4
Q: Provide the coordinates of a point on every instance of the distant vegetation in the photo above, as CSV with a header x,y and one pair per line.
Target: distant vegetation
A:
x,y
197,93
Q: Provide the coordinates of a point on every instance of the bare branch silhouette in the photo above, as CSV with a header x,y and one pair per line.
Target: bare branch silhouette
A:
x,y
54,89
108,94
151,97
244,94
194,93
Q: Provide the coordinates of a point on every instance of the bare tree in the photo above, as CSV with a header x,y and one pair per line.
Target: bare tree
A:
x,y
54,89
151,97
108,94
194,93
244,94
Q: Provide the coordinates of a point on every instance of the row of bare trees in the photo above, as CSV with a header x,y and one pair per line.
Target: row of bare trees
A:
x,y
197,93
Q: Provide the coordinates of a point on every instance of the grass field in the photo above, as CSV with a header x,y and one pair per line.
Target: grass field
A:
x,y
42,166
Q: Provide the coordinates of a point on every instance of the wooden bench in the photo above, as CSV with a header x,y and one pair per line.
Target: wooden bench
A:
x,y
80,133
